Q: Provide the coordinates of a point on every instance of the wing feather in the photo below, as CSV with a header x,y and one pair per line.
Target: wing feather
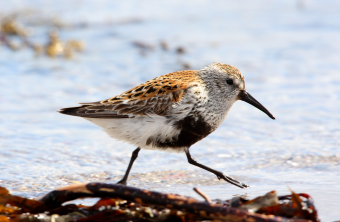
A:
x,y
155,96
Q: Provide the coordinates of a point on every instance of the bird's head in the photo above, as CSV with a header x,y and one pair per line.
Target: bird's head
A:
x,y
228,82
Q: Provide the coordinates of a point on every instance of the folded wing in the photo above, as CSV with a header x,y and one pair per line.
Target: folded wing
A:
x,y
154,97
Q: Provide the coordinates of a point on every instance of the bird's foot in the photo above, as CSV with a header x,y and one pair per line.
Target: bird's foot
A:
x,y
231,180
122,182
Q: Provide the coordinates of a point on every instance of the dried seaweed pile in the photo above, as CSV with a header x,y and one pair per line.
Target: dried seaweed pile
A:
x,y
16,36
17,31
123,203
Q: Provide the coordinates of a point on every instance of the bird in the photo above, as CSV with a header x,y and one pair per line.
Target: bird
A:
x,y
171,112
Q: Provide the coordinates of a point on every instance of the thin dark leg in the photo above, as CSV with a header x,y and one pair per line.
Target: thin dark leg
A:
x,y
133,158
219,174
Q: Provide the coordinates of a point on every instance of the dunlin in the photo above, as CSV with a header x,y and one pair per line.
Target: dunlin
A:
x,y
171,112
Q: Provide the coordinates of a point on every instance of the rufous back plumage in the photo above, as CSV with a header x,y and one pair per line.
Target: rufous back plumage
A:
x,y
175,83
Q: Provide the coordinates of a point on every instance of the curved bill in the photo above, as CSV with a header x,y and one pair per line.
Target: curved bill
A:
x,y
246,97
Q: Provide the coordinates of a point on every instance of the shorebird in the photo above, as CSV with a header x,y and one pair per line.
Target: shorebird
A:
x,y
171,112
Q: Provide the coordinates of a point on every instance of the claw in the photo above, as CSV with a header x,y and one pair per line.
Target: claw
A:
x,y
122,182
232,180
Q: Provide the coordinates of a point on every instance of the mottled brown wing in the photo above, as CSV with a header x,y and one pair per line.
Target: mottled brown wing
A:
x,y
92,110
155,96
158,105
174,83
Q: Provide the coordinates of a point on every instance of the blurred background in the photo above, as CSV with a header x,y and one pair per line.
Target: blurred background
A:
x,y
55,54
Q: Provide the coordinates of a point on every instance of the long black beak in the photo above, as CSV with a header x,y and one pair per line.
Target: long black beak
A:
x,y
246,97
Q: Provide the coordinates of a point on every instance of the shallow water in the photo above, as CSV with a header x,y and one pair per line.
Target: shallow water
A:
x,y
288,51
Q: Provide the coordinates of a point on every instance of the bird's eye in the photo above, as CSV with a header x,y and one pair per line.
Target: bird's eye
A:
x,y
230,81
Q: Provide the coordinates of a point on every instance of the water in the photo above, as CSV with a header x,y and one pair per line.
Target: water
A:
x,y
288,51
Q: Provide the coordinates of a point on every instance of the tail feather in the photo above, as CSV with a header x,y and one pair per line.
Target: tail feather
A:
x,y
90,111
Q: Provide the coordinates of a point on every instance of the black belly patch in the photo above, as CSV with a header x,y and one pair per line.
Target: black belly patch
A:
x,y
194,124
192,130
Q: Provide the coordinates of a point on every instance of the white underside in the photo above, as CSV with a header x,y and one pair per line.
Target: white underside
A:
x,y
136,131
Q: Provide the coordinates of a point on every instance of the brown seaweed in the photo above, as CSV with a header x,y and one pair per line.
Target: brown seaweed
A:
x,y
124,203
